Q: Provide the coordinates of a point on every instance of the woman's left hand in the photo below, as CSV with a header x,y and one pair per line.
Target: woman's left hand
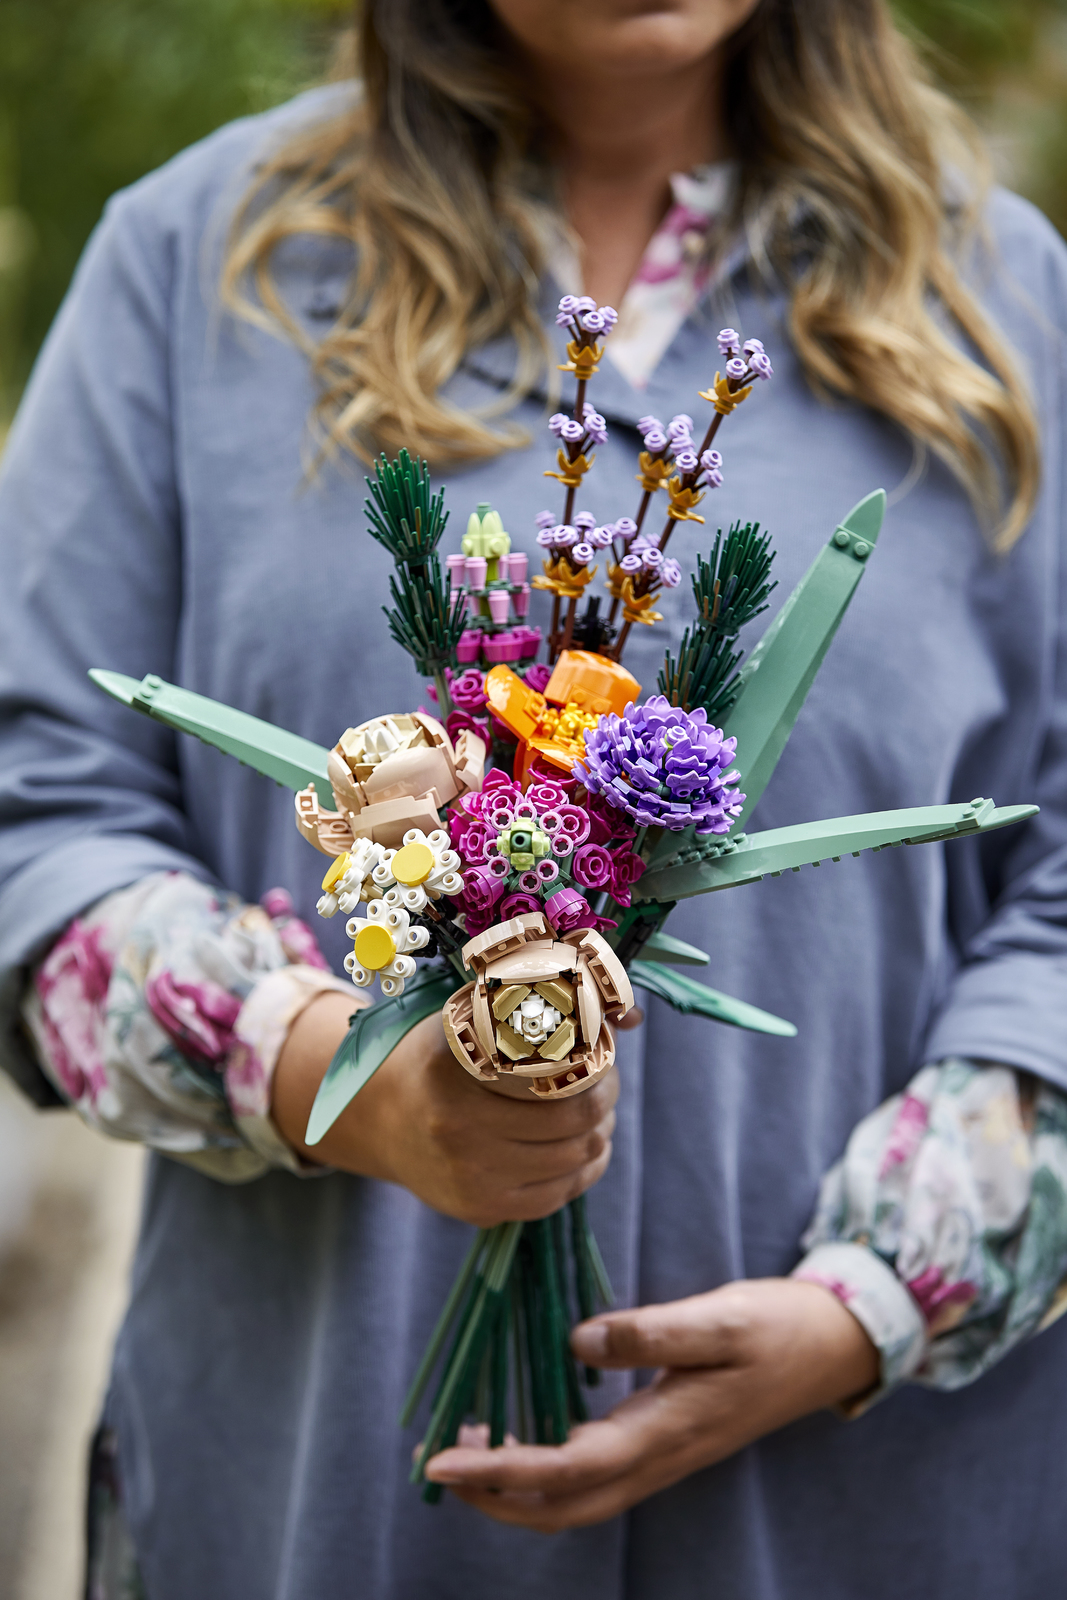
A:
x,y
734,1364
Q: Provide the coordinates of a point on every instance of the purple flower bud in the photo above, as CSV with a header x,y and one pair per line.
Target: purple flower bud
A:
x,y
593,322
581,554
686,461
625,528
642,542
670,573
558,422
652,558
571,431
569,305
547,538
610,316
562,320
545,519
655,441
710,460
596,427
645,423
680,424
631,563
599,538
729,341
714,478
585,302
761,365
736,369
585,520
565,535
753,347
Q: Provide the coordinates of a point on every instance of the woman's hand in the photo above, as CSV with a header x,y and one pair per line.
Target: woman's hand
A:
x,y
424,1123
735,1364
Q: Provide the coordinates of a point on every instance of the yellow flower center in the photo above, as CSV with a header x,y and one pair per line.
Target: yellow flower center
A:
x,y
375,947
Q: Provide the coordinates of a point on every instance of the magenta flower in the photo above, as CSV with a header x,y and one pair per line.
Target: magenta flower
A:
x,y
481,890
626,868
591,866
537,676
517,905
546,794
468,690
567,910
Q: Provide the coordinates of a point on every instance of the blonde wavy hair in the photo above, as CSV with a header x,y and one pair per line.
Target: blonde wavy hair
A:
x,y
436,175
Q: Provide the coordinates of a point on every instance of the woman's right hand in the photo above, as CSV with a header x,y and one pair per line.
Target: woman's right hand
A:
x,y
424,1123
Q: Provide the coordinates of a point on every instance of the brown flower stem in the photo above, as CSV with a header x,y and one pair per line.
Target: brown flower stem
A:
x,y
623,636
554,629
579,401
646,501
568,627
716,423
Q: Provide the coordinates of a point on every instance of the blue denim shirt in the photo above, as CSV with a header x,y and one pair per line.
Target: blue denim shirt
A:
x,y
155,515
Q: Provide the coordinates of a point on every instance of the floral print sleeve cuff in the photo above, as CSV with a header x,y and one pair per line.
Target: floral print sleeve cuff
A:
x,y
943,1228
160,1015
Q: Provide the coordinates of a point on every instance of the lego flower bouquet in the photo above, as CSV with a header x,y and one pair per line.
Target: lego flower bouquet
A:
x,y
527,839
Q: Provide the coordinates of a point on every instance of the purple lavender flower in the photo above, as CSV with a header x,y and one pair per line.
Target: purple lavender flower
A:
x,y
752,347
572,432
569,305
581,554
686,461
681,424
646,425
545,519
630,563
600,538
736,369
565,536
546,538
652,558
595,426
711,460
610,316
585,302
761,365
655,441
584,521
663,767
625,529
729,341
593,322
557,422
670,573
713,478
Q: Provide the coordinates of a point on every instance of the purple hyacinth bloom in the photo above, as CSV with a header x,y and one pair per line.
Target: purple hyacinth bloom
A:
x,y
582,554
610,316
585,302
710,460
545,519
736,369
572,431
753,347
599,538
761,365
546,538
593,322
664,767
584,521
729,342
682,423
655,441
625,529
630,563
569,305
596,427
713,478
652,558
565,535
670,573
646,424
557,422
686,461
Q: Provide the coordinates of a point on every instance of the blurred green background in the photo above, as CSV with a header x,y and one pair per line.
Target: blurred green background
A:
x,y
95,92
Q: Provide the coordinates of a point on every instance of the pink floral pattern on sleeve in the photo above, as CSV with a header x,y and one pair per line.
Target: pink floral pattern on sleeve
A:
x,y
160,1013
943,1227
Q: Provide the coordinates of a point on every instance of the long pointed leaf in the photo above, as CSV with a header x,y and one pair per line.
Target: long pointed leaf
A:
x,y
688,996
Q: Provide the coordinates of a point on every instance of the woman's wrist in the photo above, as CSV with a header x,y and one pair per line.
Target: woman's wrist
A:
x,y
309,1047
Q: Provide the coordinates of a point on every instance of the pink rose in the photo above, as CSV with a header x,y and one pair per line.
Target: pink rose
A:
x,y
468,690
615,822
546,794
626,868
537,676
591,866
481,890
517,905
567,910
573,823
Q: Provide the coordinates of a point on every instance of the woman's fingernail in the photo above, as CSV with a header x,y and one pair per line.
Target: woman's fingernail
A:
x,y
590,1343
